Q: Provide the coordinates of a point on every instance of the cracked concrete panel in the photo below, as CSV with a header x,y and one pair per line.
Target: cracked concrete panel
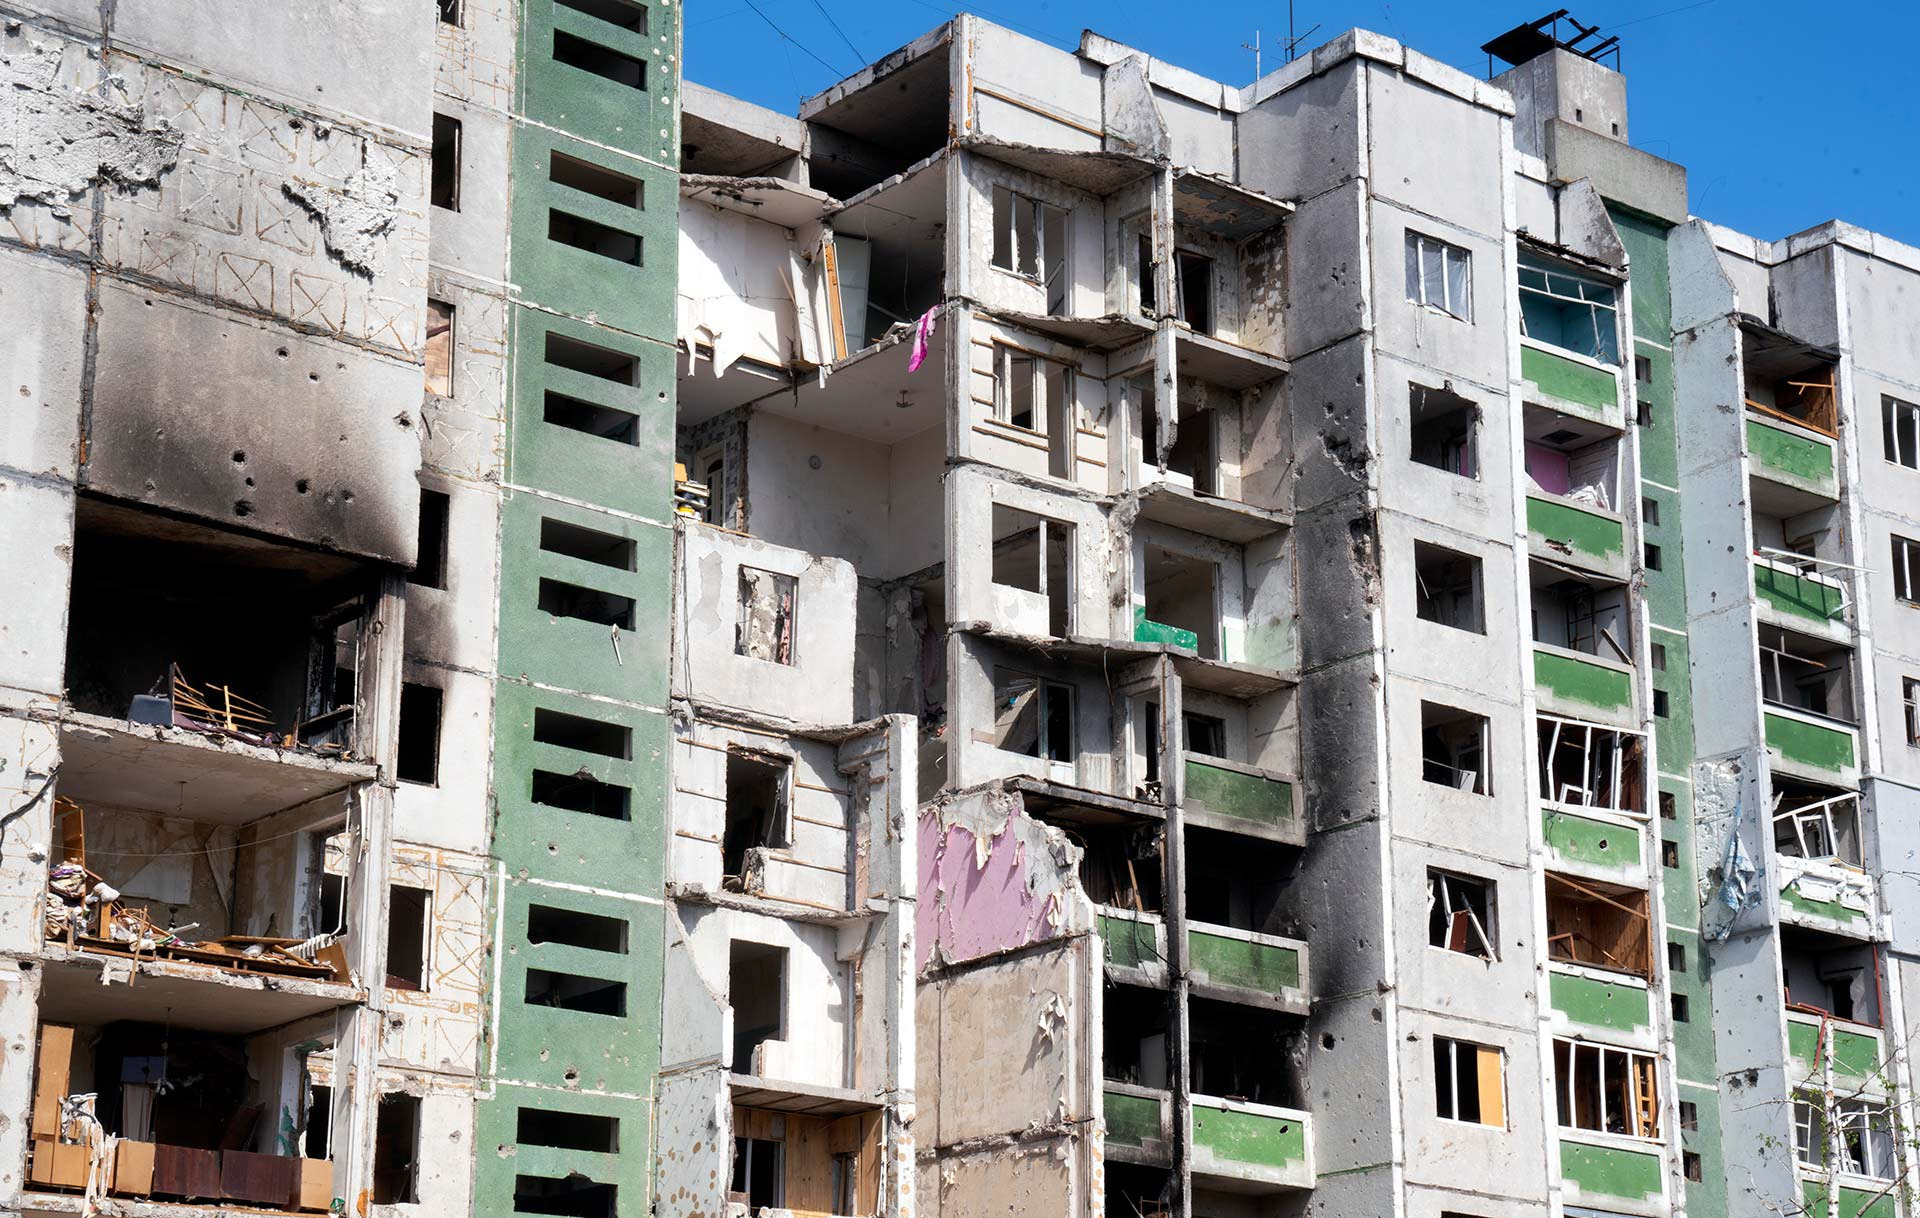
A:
x,y
40,365
354,219
252,427
58,142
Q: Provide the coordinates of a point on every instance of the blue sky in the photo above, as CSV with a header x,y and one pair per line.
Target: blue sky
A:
x,y
1786,114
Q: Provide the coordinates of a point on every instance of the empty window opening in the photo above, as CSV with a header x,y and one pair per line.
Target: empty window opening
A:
x,y
1643,369
1657,656
316,1139
759,1174
1814,823
1031,390
1599,925
1669,806
1446,431
573,1196
1900,431
596,180
1649,511
602,61
568,1130
1676,958
759,813
1689,1116
1203,734
407,925
1183,594
710,471
1569,310
430,557
608,365
1571,458
1591,617
1830,975
1237,881
1453,748
572,928
1192,452
582,734
621,13
1589,766
1460,914
580,792
1439,275
1448,587
587,545
449,11
417,753
444,190
439,348
1670,854
1146,271
1806,674
1134,1036
1682,1010
593,237
1031,716
332,915
1240,1051
1906,569
1034,555
396,1150
757,992
1193,277
606,422
1652,557
573,992
1606,1090
561,599
1030,240
1119,863
1468,1082
764,629
1788,380
1910,703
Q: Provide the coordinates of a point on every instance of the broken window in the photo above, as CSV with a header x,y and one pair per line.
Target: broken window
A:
x,y
759,799
1438,275
756,990
1468,1083
1206,734
1569,610
572,928
582,734
1193,280
1809,823
417,755
1866,1138
1460,914
1809,1129
1182,601
1119,863
1448,587
1830,975
439,348
396,1150
579,792
1133,1034
1031,390
568,1130
1238,1050
1599,925
759,1174
616,245
1034,555
576,992
1806,674
1571,458
764,629
1032,717
450,11
622,14
1192,456
1145,276
1606,1090
596,180
572,1195
1906,569
1030,240
1910,700
445,187
1445,431
1587,765
1900,430
407,924
1236,881
602,61
430,556
558,598
316,1140
1453,748
1569,310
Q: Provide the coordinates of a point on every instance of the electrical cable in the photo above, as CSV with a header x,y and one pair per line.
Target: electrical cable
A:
x,y
858,57
790,38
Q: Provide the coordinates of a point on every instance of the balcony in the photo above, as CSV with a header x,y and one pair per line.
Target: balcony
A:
x,y
1876,1201
1794,593
1222,794
1562,531
1136,945
1797,459
1593,846
1609,1004
1250,1147
1811,746
1606,1170
1139,1123
1580,387
1827,896
1244,966
1574,682
1857,1049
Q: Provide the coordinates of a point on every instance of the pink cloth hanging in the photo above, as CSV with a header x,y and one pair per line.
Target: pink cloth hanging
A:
x,y
922,331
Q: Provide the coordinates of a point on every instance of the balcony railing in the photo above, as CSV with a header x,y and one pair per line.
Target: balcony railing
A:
x,y
1251,1145
1593,390
1608,1002
1590,842
1561,530
1139,1121
1786,451
1857,1049
1576,680
1268,969
1242,797
1824,748
1827,895
1600,1170
1134,941
1801,587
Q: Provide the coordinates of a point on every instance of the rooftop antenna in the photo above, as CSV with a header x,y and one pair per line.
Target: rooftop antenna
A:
x,y
1254,46
1294,40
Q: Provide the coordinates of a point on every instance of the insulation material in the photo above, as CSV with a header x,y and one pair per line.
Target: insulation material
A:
x,y
57,142
993,880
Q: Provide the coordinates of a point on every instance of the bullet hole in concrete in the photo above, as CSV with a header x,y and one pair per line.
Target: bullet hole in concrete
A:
x,y
152,486
571,1077
346,496
159,433
249,481
1326,1040
302,486
813,462
148,303
25,392
544,1055
239,457
313,376
283,353
1376,1014
243,507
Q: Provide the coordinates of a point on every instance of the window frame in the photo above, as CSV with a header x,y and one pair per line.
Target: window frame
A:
x,y
1906,569
1493,1107
1440,884
1894,412
1606,353
1039,406
1567,1106
1416,266
1910,697
1025,210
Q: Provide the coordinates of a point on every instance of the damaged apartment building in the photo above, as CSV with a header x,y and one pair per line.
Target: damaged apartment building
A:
x,y
1282,534
1042,635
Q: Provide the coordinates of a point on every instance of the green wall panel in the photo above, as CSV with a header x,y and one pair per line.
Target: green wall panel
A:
x,y
1854,1202
1582,839
497,1129
1646,244
1132,1120
560,95
1802,459
1600,1004
1130,944
1597,537
1793,898
1673,732
1579,681
1854,1053
1255,1139
1659,447
1146,630
1571,382
1796,595
1811,744
1610,1171
1247,797
1229,960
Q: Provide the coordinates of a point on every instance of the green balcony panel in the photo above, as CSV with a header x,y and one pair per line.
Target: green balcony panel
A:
x,y
1250,1143
1610,1171
1240,796
1612,1005
1578,680
1133,1120
1131,943
1146,630
1799,458
1227,959
1847,915
1854,1202
1582,839
1796,595
1570,380
1854,1053
1810,744
1591,535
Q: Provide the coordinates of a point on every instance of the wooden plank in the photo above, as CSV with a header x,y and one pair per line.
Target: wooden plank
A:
x,y
809,1165
133,1169
1493,1092
266,1179
51,1081
186,1171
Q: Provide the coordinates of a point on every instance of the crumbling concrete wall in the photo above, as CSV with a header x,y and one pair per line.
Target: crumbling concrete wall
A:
x,y
993,880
